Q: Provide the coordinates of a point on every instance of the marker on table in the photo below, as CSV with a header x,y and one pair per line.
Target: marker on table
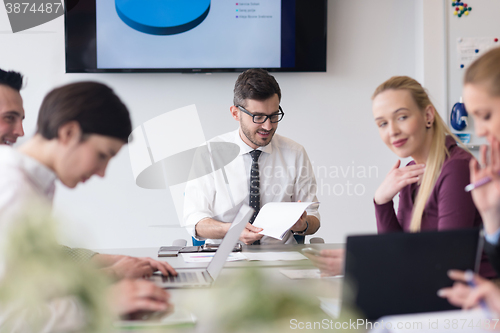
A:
x,y
469,278
480,182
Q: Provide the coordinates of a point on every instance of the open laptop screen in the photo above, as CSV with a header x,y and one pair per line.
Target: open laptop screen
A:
x,y
227,244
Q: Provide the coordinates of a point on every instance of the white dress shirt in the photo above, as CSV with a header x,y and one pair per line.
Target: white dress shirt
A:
x,y
286,175
25,182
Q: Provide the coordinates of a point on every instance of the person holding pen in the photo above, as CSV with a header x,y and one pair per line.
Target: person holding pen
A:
x,y
482,100
471,291
431,187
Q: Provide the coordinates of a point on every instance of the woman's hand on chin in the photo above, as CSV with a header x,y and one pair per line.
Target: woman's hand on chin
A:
x,y
396,179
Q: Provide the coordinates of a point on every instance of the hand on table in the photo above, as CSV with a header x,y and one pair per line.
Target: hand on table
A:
x,y
329,262
131,267
128,296
463,296
487,197
396,179
250,234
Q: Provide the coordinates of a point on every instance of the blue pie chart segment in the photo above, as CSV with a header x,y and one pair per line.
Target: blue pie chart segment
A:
x,y
162,17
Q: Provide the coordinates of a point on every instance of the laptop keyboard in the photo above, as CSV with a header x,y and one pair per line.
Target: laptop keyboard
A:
x,y
182,277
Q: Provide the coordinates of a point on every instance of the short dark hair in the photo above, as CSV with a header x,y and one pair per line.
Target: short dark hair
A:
x,y
255,84
11,79
93,105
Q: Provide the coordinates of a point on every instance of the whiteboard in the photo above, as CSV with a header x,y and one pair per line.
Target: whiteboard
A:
x,y
482,21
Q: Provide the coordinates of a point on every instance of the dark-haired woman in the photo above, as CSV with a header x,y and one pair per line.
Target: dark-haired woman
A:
x,y
80,127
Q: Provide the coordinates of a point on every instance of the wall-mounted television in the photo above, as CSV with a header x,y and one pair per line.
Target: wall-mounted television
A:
x,y
195,36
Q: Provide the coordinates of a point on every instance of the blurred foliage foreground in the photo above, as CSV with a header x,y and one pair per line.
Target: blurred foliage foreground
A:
x,y
253,300
38,279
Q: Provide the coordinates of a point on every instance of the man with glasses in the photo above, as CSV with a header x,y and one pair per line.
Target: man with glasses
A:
x,y
268,168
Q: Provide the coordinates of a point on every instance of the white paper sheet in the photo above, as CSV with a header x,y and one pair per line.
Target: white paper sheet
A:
x,y
331,306
455,321
274,256
471,48
207,257
277,217
297,274
179,316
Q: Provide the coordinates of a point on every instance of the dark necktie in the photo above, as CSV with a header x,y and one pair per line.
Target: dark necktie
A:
x,y
255,186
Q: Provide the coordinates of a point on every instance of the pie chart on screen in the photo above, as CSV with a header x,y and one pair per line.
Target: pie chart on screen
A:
x,y
162,17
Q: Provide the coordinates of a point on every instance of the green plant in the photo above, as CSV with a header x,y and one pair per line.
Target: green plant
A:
x,y
36,272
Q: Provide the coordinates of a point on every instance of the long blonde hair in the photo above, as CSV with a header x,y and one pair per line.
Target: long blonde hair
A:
x,y
485,71
438,151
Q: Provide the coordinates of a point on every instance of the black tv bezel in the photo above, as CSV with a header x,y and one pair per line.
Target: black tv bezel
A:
x,y
80,31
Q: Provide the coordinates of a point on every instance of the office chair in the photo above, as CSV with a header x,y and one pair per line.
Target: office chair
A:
x,y
315,240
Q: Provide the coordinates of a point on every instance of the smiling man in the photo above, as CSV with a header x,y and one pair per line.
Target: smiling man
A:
x,y
11,107
268,168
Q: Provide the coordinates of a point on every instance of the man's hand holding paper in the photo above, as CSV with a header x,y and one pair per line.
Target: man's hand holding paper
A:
x,y
276,218
250,234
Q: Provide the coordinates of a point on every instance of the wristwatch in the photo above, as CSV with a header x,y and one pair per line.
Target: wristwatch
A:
x,y
303,232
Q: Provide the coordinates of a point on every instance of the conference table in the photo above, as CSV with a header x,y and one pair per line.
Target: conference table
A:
x,y
204,303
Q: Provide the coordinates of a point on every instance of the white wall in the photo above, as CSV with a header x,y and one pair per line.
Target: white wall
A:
x,y
329,113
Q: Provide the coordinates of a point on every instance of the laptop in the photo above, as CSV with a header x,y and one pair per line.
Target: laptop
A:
x,y
205,277
400,273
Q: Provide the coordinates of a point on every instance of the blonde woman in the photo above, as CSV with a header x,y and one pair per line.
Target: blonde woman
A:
x,y
482,100
431,187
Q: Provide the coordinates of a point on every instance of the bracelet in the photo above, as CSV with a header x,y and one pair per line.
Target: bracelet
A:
x,y
303,232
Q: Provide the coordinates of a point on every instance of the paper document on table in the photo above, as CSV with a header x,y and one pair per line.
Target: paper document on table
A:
x,y
207,257
331,306
178,317
277,217
454,321
297,274
274,256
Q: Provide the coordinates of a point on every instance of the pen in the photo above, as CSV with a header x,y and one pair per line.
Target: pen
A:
x,y
469,278
480,182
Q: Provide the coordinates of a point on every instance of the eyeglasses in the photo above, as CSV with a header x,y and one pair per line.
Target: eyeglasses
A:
x,y
260,119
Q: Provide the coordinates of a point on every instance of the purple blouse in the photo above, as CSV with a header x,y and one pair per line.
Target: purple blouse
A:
x,y
448,207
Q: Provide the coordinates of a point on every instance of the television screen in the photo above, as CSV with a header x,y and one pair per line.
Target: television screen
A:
x,y
195,36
